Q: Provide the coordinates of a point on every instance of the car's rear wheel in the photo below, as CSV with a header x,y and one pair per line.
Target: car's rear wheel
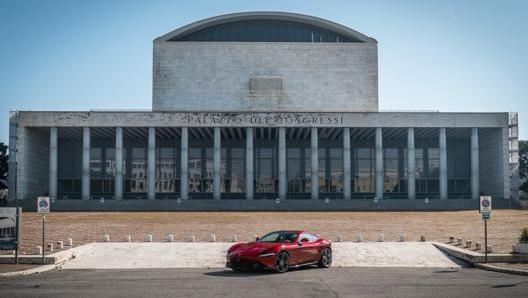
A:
x,y
283,262
326,258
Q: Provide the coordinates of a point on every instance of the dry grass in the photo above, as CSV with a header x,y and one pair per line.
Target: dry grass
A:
x,y
503,229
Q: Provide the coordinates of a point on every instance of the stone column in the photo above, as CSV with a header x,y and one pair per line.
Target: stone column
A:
x,y
249,163
119,164
184,168
411,165
379,164
86,164
474,164
151,162
282,163
443,163
53,164
347,175
315,164
217,164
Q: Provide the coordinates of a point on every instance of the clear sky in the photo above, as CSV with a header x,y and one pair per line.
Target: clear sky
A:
x,y
446,55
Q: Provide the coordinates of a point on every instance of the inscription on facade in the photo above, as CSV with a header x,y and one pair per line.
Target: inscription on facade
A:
x,y
262,119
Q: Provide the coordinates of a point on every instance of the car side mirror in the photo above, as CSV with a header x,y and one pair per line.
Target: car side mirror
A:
x,y
257,239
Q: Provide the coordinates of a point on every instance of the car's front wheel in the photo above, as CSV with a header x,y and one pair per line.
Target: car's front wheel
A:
x,y
326,258
282,263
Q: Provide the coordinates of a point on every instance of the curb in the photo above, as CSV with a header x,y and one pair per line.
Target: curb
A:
x,y
58,262
477,259
31,271
499,269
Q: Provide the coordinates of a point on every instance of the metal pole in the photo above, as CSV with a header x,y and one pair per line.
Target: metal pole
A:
x,y
485,241
17,240
43,229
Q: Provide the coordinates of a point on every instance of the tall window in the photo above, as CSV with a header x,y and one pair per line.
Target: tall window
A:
x,y
322,169
195,170
166,172
110,162
390,166
209,170
433,164
293,169
433,170
364,168
236,182
265,172
138,171
336,170
96,162
308,170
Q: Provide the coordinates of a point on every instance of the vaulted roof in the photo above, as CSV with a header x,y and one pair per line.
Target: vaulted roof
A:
x,y
265,27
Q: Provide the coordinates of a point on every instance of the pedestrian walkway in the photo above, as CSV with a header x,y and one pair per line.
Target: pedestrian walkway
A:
x,y
212,255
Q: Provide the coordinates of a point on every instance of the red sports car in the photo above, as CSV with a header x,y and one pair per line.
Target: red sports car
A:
x,y
280,251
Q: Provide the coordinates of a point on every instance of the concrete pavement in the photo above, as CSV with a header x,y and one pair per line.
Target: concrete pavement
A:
x,y
212,255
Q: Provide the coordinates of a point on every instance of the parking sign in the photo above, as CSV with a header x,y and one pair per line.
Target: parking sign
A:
x,y
485,207
43,205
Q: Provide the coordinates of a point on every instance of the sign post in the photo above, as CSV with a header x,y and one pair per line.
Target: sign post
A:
x,y
43,207
485,210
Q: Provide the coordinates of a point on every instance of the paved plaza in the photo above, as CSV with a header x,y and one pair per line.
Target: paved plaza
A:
x,y
87,227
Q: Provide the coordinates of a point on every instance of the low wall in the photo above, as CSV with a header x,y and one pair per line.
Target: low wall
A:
x,y
264,205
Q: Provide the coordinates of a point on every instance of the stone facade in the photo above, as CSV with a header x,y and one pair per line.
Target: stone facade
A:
x,y
191,76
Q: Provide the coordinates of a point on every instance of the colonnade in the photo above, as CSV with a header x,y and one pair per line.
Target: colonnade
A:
x,y
282,177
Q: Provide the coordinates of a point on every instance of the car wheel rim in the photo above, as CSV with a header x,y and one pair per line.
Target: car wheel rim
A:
x,y
282,262
327,257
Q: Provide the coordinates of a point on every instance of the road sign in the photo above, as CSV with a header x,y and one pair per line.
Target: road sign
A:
x,y
43,205
485,204
485,207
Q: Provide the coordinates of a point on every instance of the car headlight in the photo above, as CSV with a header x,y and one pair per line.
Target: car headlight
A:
x,y
267,254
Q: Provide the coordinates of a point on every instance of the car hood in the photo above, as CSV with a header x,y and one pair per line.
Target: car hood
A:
x,y
253,248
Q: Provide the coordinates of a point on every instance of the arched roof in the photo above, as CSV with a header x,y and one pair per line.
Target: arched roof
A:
x,y
265,27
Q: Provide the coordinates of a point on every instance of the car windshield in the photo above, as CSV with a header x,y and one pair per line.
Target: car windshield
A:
x,y
279,237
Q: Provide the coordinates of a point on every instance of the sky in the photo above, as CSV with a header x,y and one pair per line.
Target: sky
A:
x,y
445,55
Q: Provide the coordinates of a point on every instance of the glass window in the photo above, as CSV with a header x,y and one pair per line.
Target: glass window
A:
x,y
265,169
265,30
293,162
195,169
236,182
433,165
138,171
96,162
166,170
305,237
390,166
364,169
110,162
336,170
293,170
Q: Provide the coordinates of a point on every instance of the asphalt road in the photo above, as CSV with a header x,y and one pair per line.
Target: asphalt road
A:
x,y
310,282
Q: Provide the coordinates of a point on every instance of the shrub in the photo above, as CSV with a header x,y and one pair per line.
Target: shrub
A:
x,y
523,238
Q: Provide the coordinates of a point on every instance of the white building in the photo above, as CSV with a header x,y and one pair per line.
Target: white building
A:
x,y
263,110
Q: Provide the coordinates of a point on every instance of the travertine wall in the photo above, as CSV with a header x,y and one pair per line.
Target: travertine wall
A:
x,y
32,163
243,76
493,161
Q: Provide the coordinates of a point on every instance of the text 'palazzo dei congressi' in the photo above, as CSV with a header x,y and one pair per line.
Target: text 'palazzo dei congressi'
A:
x,y
263,111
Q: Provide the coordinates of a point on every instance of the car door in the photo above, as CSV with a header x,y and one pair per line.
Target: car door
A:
x,y
307,248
